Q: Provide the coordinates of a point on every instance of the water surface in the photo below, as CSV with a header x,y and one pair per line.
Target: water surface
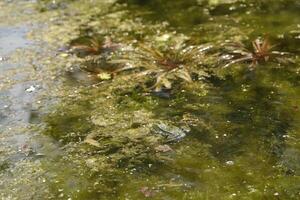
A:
x,y
243,141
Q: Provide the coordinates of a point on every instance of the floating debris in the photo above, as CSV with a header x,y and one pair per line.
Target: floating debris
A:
x,y
104,76
91,141
163,148
30,89
170,132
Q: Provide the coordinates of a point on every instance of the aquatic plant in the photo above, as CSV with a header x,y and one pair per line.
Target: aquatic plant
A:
x,y
262,52
96,53
95,46
166,64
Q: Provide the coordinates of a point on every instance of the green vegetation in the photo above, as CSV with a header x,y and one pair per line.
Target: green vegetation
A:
x,y
262,52
144,106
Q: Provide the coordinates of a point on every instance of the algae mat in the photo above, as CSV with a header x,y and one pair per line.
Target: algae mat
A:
x,y
220,133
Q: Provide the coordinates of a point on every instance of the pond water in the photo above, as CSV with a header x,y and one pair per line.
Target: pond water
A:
x,y
75,125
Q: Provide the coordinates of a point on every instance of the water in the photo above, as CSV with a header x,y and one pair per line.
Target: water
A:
x,y
76,138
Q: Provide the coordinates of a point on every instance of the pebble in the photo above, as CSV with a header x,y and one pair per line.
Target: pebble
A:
x,y
30,89
230,162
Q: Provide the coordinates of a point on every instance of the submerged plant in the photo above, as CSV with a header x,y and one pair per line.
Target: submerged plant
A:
x,y
262,52
96,53
95,46
167,65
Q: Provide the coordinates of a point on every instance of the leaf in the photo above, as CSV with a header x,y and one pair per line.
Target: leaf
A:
x,y
166,83
104,76
183,74
92,142
158,88
163,148
152,51
159,81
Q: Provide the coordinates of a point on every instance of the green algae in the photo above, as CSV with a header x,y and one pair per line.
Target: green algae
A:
x,y
244,138
238,120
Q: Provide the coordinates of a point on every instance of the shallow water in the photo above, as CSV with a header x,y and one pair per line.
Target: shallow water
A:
x,y
67,135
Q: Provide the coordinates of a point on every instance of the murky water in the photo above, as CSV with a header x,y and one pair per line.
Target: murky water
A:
x,y
71,130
